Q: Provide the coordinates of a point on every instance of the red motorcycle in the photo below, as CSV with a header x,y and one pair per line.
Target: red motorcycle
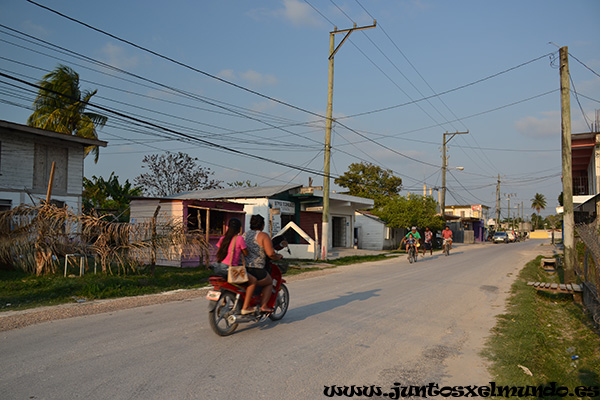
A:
x,y
226,299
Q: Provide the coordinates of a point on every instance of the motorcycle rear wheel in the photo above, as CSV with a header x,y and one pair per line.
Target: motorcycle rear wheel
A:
x,y
281,304
218,317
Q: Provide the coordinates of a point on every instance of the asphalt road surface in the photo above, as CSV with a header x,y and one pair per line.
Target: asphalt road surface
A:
x,y
365,324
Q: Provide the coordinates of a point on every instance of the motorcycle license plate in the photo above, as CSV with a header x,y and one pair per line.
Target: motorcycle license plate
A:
x,y
213,295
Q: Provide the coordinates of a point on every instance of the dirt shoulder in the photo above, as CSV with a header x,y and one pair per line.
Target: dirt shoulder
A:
x,y
10,320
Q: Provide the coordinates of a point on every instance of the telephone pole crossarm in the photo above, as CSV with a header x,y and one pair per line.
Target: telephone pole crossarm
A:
x,y
349,31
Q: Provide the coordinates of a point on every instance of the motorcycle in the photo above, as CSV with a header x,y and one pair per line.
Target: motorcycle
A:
x,y
226,300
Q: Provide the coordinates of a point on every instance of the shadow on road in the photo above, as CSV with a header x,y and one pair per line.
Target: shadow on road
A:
x,y
309,310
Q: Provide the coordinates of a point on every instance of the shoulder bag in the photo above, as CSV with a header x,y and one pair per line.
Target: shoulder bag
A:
x,y
237,274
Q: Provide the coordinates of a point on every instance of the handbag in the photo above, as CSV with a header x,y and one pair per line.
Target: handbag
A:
x,y
237,273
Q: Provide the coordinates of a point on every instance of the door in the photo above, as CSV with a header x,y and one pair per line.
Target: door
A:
x,y
339,232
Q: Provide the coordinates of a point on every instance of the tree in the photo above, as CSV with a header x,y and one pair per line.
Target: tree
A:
x,y
108,196
403,212
554,221
240,184
174,173
60,106
538,202
370,181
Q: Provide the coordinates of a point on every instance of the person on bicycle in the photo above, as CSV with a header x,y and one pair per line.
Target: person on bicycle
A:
x,y
428,241
411,241
415,235
447,236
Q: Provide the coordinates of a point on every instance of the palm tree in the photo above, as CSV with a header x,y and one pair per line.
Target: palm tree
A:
x,y
538,202
60,107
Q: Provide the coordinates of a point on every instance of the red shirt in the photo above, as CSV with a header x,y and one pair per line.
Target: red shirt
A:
x,y
447,234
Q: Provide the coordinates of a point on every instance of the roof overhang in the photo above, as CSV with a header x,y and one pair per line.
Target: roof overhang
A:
x,y
582,150
339,199
28,130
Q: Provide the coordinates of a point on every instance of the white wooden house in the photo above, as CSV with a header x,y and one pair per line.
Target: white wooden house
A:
x,y
26,156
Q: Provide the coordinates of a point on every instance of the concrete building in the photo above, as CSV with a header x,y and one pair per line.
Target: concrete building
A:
x,y
471,220
585,157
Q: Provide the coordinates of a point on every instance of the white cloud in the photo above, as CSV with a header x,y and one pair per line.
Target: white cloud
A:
x,y
549,124
258,79
250,77
264,106
227,74
299,13
37,30
117,56
545,126
294,11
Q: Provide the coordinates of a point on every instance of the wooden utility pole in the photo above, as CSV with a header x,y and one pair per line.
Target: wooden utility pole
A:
x,y
328,123
444,168
50,183
567,172
498,203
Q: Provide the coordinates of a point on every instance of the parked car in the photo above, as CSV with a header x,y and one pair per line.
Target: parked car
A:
x,y
500,237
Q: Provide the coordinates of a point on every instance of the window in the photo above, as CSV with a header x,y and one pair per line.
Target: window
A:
x,y
196,220
5,205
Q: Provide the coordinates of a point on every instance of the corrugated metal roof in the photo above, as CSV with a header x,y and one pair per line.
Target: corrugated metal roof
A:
x,y
233,193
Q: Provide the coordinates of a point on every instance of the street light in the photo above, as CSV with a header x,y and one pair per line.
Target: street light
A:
x,y
445,167
442,201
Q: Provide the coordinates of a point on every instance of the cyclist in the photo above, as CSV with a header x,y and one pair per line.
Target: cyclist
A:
x,y
410,241
447,236
415,235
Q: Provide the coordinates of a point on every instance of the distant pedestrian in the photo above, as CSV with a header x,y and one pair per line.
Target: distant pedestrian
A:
x,y
428,241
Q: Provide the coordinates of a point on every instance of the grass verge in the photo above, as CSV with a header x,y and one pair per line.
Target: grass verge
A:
x,y
550,335
19,290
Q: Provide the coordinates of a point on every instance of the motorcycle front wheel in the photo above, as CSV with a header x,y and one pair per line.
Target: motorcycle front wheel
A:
x,y
218,317
281,304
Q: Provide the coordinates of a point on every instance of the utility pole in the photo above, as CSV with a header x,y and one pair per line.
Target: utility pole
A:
x,y
508,196
328,123
567,173
498,203
444,168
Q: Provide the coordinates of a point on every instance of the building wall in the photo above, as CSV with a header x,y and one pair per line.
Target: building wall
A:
x,y
25,165
371,233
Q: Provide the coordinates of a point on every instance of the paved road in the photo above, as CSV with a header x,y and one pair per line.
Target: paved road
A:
x,y
368,324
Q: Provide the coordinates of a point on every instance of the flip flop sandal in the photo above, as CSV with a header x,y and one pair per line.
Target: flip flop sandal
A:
x,y
247,312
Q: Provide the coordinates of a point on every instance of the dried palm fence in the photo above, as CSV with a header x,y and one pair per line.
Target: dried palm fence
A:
x,y
589,272
34,239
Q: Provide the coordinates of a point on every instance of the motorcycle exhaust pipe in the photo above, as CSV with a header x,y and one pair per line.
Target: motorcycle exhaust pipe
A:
x,y
236,319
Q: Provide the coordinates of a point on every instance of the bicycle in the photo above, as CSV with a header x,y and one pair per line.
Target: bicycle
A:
x,y
446,247
412,254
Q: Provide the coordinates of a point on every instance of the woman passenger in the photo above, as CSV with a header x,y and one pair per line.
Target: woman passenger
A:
x,y
224,255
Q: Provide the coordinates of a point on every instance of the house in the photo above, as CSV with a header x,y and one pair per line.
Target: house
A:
x,y
207,217
470,222
281,206
372,233
26,157
585,163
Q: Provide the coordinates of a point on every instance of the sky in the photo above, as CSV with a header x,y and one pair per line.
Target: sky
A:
x,y
242,86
